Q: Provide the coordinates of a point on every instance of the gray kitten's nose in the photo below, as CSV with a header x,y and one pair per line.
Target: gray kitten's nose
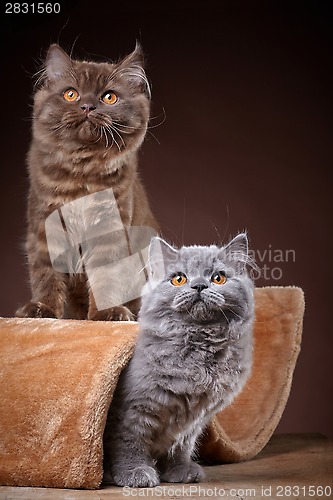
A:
x,y
88,107
199,285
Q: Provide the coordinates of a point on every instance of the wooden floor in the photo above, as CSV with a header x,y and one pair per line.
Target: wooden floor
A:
x,y
295,466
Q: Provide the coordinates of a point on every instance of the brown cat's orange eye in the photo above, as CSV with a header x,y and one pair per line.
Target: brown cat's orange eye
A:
x,y
71,95
179,279
109,98
219,278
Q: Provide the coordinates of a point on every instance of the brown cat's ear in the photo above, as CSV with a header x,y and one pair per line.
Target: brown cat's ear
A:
x,y
132,68
135,58
57,63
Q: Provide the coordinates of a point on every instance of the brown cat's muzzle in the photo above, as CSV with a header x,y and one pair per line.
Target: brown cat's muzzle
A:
x,y
87,130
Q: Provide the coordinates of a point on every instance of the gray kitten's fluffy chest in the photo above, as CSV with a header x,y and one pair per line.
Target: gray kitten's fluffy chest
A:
x,y
187,379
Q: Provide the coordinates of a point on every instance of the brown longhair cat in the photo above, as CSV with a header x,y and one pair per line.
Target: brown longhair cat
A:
x,y
89,120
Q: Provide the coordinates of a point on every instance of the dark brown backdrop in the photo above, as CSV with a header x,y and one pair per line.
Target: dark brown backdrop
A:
x,y
245,144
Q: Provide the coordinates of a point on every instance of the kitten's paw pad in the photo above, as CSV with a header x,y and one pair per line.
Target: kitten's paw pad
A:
x,y
35,310
119,313
140,477
184,473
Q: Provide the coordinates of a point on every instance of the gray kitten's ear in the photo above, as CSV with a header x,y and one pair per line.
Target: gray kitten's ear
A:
x,y
57,63
132,68
160,254
236,252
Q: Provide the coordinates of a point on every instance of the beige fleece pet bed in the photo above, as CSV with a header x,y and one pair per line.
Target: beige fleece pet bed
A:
x,y
57,378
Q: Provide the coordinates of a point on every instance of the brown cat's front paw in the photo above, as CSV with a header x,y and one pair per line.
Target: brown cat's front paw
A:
x,y
35,310
118,313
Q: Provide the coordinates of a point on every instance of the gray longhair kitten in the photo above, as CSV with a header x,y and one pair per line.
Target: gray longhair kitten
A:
x,y
193,356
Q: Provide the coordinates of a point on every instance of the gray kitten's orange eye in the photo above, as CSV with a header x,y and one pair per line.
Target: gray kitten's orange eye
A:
x,y
109,98
179,279
219,278
71,95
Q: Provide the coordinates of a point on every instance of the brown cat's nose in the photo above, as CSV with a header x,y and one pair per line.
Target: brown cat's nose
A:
x,y
88,107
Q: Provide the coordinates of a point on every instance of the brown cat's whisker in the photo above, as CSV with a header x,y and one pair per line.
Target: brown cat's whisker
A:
x,y
154,136
100,136
117,127
114,140
106,138
117,132
126,126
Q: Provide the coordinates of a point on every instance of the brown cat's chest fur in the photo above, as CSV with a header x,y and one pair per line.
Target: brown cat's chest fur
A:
x,y
59,178
74,153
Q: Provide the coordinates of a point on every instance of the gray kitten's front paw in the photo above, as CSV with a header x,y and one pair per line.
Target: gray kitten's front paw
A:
x,y
183,473
140,477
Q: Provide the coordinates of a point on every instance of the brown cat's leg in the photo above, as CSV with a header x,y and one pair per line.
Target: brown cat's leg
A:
x,y
134,306
48,299
77,297
48,294
117,313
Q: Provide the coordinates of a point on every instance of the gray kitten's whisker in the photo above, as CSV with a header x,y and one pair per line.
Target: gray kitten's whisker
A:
x,y
239,306
233,312
220,307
